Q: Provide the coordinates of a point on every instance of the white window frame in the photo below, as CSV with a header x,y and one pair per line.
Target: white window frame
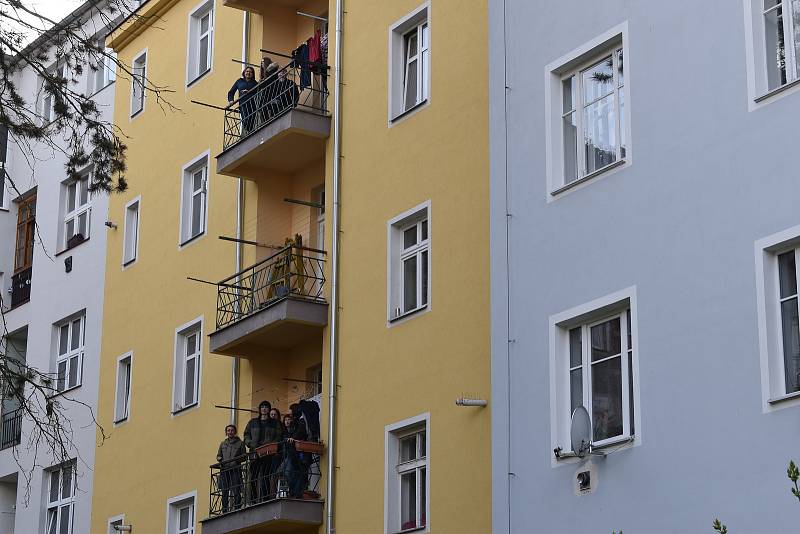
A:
x,y
130,241
774,395
122,393
65,501
759,91
188,193
106,70
70,357
400,60
584,316
73,213
116,520
196,35
397,254
393,469
174,506
139,83
573,63
182,334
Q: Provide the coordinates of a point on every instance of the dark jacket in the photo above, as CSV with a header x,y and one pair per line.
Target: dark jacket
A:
x,y
259,432
229,449
242,86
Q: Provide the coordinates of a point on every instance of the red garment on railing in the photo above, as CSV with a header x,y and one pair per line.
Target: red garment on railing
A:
x,y
314,48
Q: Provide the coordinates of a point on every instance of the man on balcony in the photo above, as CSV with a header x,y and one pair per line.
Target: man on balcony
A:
x,y
230,456
259,431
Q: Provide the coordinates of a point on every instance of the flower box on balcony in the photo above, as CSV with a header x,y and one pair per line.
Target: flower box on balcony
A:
x,y
269,448
314,447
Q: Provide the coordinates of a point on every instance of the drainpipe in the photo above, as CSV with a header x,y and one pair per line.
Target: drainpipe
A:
x,y
332,346
239,225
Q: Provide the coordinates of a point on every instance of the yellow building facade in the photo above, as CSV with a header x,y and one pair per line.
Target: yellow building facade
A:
x,y
413,292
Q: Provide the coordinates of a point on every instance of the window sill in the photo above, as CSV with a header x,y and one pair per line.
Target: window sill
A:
x,y
118,422
787,397
60,393
76,245
416,529
195,238
602,449
128,263
407,315
134,115
198,78
405,114
185,409
106,86
588,177
777,90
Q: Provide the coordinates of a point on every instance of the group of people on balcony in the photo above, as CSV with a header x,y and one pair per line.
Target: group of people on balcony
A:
x,y
270,96
267,464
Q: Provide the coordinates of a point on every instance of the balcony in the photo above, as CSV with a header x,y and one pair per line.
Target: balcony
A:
x,y
273,490
276,303
280,125
259,6
11,429
21,287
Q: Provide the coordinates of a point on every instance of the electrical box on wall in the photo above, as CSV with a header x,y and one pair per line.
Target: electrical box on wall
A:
x,y
584,480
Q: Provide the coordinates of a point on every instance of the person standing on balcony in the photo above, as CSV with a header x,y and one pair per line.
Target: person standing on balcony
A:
x,y
244,86
260,431
230,455
296,464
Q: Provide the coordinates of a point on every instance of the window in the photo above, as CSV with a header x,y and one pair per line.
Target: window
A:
x,y
69,358
593,364
588,112
48,99
781,19
180,515
138,83
77,211
26,230
777,277
193,203
188,349
409,262
201,40
60,499
409,69
407,484
104,71
131,239
123,396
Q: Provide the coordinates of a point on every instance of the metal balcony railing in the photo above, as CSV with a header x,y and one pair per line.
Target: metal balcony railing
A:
x,y
276,471
11,430
300,84
293,272
21,287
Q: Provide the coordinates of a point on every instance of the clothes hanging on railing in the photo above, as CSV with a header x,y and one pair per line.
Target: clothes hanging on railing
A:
x,y
300,56
314,53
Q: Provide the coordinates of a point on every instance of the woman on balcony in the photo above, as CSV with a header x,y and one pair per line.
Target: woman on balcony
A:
x,y
244,86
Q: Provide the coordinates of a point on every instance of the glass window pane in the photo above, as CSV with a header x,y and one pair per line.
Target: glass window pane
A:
x,y
410,237
620,69
630,390
76,335
568,94
66,482
61,376
408,448
600,134
598,80
776,48
411,85
423,450
74,365
410,284
83,186
607,399
424,261
204,23
606,339
54,480
411,49
630,336
408,500
183,519
71,196
622,135
787,274
197,214
424,230
575,347
424,74
191,344
64,520
202,57
189,394
70,228
771,3
422,497
82,224
52,521
197,181
791,344
570,127
575,389
63,339
796,33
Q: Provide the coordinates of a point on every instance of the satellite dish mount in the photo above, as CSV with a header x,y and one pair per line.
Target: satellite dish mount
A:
x,y
580,433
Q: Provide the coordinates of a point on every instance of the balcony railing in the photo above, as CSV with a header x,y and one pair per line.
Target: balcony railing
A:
x,y
299,85
276,471
21,287
293,272
11,430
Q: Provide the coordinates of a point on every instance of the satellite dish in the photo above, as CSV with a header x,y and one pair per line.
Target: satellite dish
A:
x,y
580,432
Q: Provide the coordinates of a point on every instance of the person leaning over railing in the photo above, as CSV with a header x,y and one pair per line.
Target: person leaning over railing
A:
x,y
230,455
244,86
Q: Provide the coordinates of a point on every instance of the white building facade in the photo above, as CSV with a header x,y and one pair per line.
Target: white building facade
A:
x,y
645,235
52,267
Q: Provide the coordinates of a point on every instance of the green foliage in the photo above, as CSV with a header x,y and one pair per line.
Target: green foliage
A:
x,y
719,527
